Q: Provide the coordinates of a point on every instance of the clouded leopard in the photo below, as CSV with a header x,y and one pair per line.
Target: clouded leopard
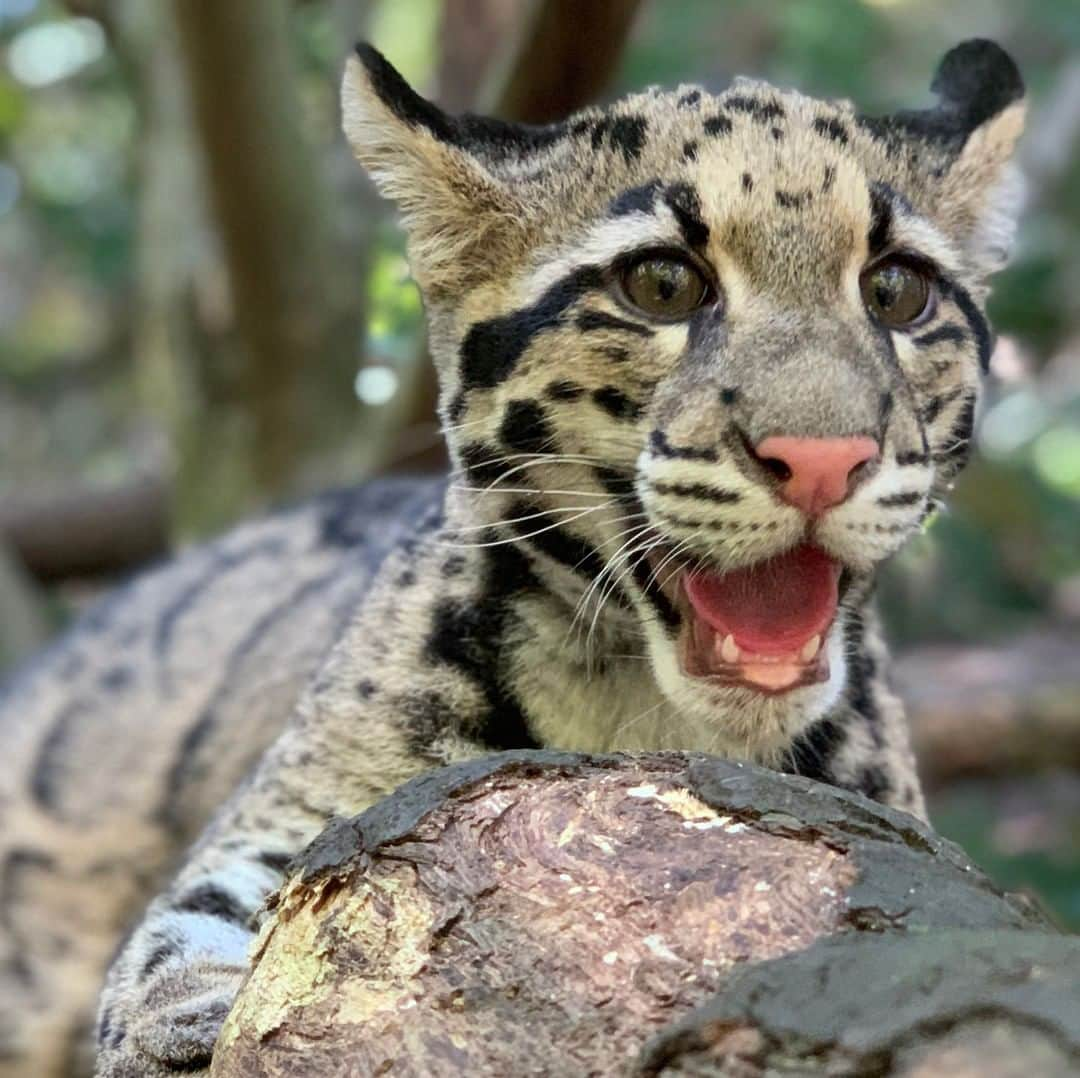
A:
x,y
706,360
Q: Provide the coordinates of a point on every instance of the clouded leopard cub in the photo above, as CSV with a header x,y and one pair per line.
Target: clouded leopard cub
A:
x,y
706,360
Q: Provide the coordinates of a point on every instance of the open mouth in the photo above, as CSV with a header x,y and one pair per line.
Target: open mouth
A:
x,y
762,627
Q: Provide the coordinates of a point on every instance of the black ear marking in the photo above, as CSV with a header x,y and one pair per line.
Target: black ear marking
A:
x,y
481,134
979,79
974,82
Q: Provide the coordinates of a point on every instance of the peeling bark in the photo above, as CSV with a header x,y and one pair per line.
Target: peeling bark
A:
x,y
547,913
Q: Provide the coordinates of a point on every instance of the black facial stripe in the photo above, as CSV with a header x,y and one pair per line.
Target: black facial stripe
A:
x,y
556,542
718,125
861,672
564,391
685,204
617,484
958,447
912,457
525,428
937,405
616,403
469,636
896,501
947,332
881,216
761,112
478,462
700,491
832,128
642,576
492,349
659,446
593,320
980,328
692,524
635,200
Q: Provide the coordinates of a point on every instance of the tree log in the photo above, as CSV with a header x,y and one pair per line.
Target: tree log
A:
x,y
961,1004
89,531
991,710
547,913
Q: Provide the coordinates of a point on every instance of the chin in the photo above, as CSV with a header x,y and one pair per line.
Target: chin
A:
x,y
742,721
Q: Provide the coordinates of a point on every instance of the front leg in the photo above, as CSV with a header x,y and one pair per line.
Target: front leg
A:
x,y
171,988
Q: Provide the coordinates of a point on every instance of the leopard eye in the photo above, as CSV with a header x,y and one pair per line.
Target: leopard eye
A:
x,y
896,293
665,286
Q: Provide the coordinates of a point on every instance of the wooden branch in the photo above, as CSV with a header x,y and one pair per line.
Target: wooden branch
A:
x,y
548,913
89,531
956,1004
994,710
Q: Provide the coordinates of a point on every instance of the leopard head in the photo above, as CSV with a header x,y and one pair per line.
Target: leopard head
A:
x,y
709,359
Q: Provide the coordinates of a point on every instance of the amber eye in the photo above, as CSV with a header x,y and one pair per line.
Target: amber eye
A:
x,y
665,286
895,293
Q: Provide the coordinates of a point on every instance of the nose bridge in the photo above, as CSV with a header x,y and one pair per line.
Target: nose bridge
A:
x,y
806,378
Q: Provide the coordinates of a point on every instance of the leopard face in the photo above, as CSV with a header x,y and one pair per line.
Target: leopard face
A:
x,y
708,358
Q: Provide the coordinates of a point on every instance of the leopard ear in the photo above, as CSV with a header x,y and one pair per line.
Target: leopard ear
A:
x,y
976,125
441,170
982,190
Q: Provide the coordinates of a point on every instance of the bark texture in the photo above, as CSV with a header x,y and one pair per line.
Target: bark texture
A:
x,y
555,914
961,1004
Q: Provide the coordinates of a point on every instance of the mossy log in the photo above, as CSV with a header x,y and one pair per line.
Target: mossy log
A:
x,y
555,914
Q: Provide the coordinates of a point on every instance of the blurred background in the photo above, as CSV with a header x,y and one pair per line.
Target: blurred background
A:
x,y
204,310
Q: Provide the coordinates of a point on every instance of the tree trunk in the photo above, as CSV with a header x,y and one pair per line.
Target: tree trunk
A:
x,y
266,194
992,710
565,58
955,1004
547,913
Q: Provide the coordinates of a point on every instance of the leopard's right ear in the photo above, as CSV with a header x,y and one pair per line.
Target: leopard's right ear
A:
x,y
439,169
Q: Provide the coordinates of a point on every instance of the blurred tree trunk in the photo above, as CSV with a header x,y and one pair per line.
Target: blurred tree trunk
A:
x,y
472,31
269,208
23,626
564,59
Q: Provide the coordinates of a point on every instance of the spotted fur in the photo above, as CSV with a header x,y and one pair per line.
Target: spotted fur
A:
x,y
524,608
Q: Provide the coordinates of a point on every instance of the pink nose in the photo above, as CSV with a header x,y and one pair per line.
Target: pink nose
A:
x,y
816,473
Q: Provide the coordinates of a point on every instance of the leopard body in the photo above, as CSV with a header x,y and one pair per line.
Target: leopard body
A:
x,y
285,676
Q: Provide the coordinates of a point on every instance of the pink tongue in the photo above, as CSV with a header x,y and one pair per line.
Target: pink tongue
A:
x,y
773,607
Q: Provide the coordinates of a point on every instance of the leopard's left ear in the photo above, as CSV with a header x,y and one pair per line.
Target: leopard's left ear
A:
x,y
462,217
976,125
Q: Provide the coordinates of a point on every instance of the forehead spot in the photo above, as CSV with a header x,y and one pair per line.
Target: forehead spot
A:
x,y
628,135
718,125
762,112
831,128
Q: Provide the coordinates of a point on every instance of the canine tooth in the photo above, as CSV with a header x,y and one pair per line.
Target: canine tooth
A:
x,y
810,648
729,650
